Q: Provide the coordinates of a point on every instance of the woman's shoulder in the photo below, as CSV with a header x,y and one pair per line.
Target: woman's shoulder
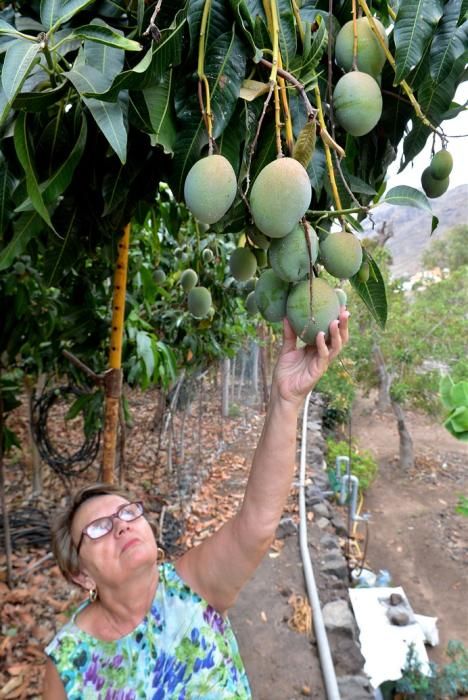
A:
x,y
69,635
172,583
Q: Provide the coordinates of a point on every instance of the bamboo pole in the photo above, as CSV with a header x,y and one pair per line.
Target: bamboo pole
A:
x,y
113,377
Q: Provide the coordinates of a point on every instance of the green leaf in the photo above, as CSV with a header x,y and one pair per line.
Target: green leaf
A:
x,y
52,188
9,439
25,158
108,60
115,187
317,168
20,58
6,188
225,68
449,42
7,29
414,26
359,186
159,102
108,116
25,227
76,407
5,105
459,419
373,292
219,21
145,352
287,32
459,394
305,145
434,100
308,64
103,34
445,389
152,67
410,197
245,20
57,12
40,101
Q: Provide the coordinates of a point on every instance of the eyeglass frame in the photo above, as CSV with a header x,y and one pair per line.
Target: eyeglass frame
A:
x,y
111,518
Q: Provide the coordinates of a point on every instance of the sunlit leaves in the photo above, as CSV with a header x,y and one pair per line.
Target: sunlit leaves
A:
x,y
20,57
414,26
109,116
373,292
57,12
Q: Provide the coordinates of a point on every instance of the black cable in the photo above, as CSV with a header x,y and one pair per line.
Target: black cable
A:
x,y
65,465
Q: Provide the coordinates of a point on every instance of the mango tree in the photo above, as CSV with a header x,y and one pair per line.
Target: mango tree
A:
x,y
303,104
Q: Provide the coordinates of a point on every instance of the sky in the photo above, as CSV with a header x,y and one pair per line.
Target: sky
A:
x,y
458,147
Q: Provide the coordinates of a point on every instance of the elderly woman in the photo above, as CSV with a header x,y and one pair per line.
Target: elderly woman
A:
x,y
161,632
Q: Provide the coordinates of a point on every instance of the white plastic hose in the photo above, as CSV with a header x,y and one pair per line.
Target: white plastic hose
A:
x,y
326,661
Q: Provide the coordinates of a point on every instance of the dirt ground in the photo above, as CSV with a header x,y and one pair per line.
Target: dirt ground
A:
x,y
415,532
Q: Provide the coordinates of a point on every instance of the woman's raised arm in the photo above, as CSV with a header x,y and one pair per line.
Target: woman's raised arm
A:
x,y
219,567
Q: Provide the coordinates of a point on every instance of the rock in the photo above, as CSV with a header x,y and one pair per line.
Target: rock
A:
x,y
337,617
321,510
347,657
336,566
286,527
322,523
329,542
313,495
340,526
314,425
354,688
398,617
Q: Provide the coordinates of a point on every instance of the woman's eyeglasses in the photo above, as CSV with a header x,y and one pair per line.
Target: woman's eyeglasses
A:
x,y
102,526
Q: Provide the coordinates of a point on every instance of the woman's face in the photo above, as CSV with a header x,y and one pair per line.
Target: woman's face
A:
x,y
117,556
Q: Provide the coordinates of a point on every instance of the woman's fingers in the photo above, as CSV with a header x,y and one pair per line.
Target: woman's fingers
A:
x,y
289,337
335,338
344,326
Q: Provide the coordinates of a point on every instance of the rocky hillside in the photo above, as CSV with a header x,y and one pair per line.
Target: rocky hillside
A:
x,y
411,228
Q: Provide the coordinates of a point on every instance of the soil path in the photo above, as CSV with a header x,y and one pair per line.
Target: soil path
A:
x,y
415,531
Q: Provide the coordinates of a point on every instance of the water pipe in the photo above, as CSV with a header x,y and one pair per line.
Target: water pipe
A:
x,y
346,479
326,661
339,461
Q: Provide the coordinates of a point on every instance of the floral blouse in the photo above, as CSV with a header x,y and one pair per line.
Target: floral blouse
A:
x,y
182,650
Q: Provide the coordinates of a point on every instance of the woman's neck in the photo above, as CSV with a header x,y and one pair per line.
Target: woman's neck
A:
x,y
117,611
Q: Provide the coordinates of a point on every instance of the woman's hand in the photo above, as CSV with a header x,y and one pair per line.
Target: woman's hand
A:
x,y
299,369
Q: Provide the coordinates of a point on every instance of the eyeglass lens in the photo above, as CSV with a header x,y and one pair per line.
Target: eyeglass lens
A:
x,y
102,526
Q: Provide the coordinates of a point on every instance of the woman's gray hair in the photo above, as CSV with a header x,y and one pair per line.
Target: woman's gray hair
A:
x,y
63,546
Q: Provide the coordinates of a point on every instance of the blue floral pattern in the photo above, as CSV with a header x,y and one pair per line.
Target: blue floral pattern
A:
x,y
182,650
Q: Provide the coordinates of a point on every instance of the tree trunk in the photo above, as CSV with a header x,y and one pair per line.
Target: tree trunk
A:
x,y
36,464
242,374
3,503
406,442
264,365
114,387
226,377
385,380
255,368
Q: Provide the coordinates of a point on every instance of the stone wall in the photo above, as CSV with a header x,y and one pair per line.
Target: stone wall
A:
x,y
326,532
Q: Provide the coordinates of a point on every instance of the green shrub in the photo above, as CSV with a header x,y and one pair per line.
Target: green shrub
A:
x,y
363,464
449,681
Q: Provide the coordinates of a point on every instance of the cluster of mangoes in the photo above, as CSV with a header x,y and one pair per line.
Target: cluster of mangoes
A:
x,y
280,236
435,178
357,98
198,298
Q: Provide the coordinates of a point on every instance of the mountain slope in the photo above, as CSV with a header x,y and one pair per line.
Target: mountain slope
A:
x,y
412,228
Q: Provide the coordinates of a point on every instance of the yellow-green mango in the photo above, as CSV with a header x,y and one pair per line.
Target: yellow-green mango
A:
x,y
210,188
280,197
